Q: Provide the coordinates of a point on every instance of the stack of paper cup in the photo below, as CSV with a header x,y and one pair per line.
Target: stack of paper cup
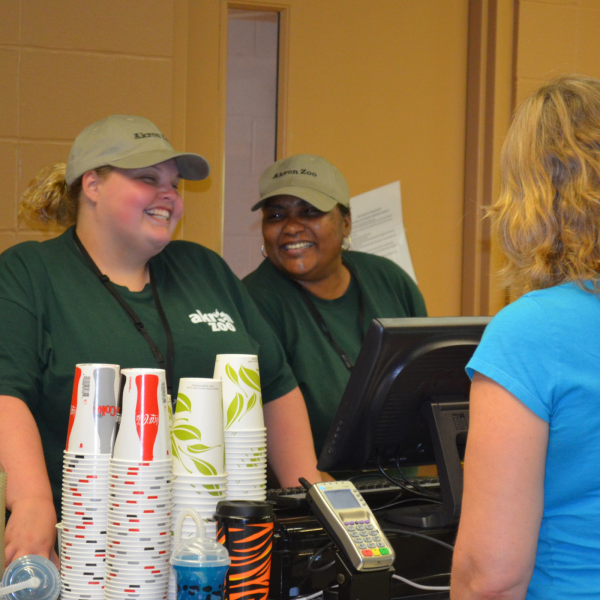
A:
x,y
198,448
92,424
198,455
245,433
140,492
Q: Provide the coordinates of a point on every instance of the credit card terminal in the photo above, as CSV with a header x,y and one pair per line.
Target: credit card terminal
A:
x,y
351,525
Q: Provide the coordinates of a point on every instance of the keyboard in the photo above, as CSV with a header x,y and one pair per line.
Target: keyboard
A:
x,y
379,490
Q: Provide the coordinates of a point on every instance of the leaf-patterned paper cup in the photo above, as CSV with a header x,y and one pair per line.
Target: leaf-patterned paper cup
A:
x,y
197,433
242,397
248,434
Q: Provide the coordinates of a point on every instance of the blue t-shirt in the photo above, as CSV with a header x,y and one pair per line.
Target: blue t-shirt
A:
x,y
545,349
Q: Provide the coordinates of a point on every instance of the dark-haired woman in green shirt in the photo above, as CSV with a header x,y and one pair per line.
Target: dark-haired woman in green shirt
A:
x,y
318,296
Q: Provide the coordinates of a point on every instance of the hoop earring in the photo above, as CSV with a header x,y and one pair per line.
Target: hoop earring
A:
x,y
262,251
346,242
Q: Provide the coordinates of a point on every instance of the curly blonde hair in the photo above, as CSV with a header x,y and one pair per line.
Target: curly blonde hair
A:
x,y
547,217
48,199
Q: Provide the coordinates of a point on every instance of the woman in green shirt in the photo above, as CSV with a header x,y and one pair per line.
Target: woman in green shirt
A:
x,y
62,303
318,296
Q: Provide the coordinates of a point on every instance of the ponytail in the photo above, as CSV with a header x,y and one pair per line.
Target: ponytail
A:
x,y
49,199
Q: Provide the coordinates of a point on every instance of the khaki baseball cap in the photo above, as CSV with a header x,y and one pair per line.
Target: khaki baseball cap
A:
x,y
128,142
306,176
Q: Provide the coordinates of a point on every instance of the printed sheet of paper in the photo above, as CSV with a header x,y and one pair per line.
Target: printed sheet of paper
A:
x,y
377,225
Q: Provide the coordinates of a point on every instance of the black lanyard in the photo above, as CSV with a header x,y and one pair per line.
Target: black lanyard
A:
x,y
139,325
318,317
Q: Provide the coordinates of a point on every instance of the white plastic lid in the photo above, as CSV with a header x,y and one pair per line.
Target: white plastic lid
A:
x,y
28,568
200,552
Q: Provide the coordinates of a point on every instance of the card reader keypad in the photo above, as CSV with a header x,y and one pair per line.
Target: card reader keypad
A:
x,y
339,505
367,538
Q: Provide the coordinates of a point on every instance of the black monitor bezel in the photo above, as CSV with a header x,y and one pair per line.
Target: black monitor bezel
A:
x,y
390,346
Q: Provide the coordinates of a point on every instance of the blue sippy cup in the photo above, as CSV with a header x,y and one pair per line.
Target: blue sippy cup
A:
x,y
200,564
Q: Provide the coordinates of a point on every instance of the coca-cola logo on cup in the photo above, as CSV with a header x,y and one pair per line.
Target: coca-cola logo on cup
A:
x,y
103,411
145,419
147,412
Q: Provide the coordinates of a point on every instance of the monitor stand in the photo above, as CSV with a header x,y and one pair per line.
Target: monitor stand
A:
x,y
448,419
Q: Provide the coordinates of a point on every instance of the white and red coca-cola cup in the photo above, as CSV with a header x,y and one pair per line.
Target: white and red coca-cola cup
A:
x,y
94,409
92,426
143,433
84,525
140,491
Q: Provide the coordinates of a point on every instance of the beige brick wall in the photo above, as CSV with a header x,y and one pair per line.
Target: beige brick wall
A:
x,y
380,105
65,64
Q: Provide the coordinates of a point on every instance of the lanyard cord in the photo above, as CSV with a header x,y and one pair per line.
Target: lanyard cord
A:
x,y
318,317
139,325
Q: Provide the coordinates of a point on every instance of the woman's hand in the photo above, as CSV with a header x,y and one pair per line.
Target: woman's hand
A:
x,y
31,529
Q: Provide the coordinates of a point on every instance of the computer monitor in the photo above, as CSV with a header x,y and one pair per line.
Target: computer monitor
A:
x,y
406,404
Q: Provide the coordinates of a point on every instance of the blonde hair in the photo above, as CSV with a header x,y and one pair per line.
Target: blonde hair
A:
x,y
547,217
48,199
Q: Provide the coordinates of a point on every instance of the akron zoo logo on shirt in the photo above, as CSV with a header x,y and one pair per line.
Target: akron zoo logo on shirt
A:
x,y
217,321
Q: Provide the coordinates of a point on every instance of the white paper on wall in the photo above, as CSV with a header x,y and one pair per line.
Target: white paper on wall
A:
x,y
378,227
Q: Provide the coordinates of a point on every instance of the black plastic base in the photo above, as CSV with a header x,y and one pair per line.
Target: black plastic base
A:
x,y
448,423
361,585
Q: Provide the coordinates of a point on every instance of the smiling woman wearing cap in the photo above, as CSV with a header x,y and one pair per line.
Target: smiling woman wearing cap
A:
x,y
114,289
318,296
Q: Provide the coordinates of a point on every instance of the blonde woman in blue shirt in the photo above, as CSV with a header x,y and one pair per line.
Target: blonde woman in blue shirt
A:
x,y
530,524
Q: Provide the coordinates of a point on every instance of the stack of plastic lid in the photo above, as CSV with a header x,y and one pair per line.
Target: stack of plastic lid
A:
x,y
198,455
140,492
94,409
243,421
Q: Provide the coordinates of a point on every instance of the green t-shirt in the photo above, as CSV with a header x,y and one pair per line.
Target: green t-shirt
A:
x,y
387,291
56,313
